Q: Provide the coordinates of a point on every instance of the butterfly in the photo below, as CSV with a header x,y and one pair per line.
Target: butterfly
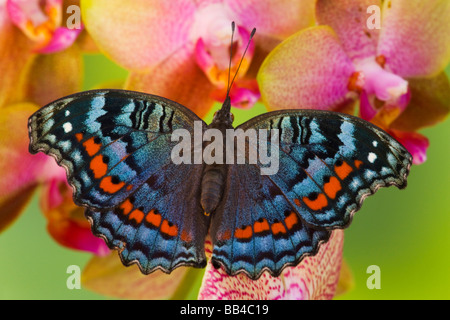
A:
x,y
116,147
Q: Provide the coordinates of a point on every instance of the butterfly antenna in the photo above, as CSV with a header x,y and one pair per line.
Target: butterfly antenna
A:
x,y
231,56
229,85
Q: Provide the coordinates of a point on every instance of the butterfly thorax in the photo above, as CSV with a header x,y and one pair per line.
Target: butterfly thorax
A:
x,y
214,175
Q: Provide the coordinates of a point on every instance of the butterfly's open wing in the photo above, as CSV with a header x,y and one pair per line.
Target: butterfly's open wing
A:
x,y
116,148
328,164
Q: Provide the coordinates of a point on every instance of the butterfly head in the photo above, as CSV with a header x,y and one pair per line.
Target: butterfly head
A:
x,y
224,115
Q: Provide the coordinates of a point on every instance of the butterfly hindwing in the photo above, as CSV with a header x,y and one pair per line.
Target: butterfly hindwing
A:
x,y
116,147
328,164
255,229
161,225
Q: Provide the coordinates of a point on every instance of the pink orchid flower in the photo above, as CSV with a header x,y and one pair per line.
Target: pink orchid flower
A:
x,y
38,51
315,278
180,49
396,72
36,60
42,22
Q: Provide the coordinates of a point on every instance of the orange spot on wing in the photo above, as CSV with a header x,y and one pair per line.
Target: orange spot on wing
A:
x,y
129,187
98,166
291,220
297,202
332,187
226,235
278,227
137,215
343,170
91,147
319,203
153,218
79,136
185,236
244,233
169,229
358,163
108,186
261,226
126,207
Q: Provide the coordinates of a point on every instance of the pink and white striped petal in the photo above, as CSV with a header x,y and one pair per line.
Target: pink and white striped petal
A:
x,y
316,277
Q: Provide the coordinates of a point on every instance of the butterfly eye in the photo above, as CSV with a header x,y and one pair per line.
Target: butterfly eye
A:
x,y
232,117
215,114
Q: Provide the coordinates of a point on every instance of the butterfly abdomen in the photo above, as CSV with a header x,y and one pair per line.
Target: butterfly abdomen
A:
x,y
214,175
213,182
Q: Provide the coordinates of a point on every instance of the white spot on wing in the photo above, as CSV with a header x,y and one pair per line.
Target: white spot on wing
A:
x,y
66,145
375,143
67,113
67,127
372,157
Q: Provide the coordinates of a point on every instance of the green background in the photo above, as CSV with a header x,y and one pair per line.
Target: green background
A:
x,y
404,232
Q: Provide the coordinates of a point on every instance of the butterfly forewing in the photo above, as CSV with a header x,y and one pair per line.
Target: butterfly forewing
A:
x,y
329,162
116,148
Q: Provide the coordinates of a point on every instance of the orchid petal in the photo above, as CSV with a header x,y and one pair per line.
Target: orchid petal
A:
x,y
263,46
414,142
415,38
214,59
145,33
389,112
316,277
66,221
366,108
71,235
274,18
108,276
429,105
48,77
385,85
308,70
346,281
349,19
37,22
14,59
86,43
62,39
179,79
20,171
244,94
28,169
13,205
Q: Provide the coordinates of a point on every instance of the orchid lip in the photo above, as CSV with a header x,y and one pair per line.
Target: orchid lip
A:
x,y
385,85
214,59
41,22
